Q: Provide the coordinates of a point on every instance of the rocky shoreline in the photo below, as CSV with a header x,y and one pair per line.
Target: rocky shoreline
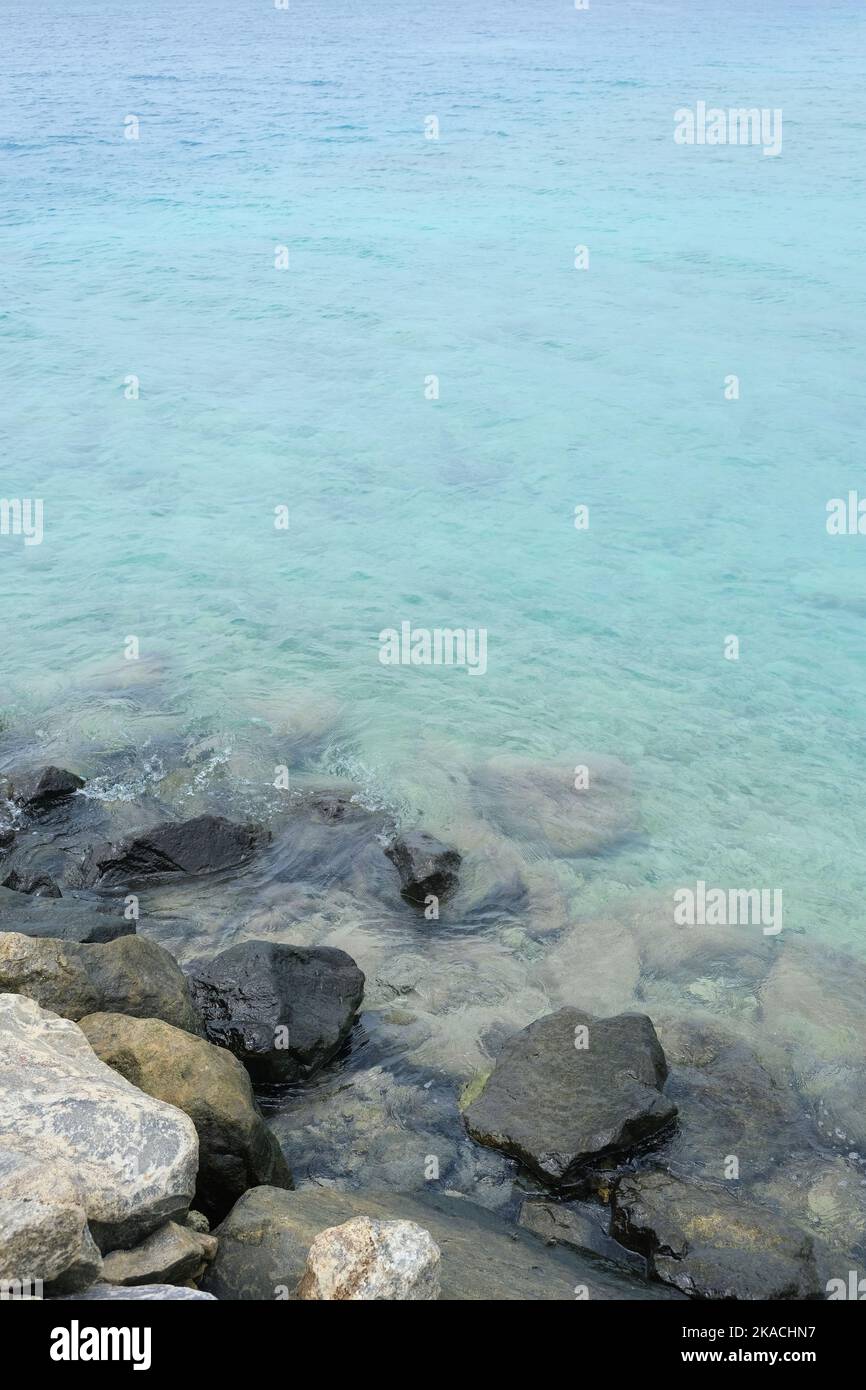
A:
x,y
640,1113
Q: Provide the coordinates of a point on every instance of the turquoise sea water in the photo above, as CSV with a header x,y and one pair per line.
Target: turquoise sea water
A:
x,y
410,257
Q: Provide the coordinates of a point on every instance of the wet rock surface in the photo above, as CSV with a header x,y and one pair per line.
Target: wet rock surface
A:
x,y
72,919
711,1244
283,1010
580,1226
425,865
570,1090
130,975
203,845
263,1246
236,1148
40,789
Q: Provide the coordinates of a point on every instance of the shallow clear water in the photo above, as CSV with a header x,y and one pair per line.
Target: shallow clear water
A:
x,y
305,387
411,257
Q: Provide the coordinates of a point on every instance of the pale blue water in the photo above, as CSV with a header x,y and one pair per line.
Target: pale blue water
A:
x,y
411,257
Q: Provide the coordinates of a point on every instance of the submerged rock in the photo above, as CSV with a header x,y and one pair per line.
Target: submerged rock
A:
x,y
366,1260
709,1244
570,1090
132,1158
40,789
70,919
43,1225
582,806
172,1254
265,1239
200,846
130,975
424,864
284,1010
381,1132
236,1148
732,1100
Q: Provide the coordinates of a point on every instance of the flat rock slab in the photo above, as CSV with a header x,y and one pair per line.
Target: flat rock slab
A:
x,y
153,1293
711,1244
283,1010
265,1240
236,1148
67,919
200,846
133,1158
558,1105
131,975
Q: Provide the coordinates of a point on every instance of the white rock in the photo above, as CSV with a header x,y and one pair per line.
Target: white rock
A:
x,y
366,1259
44,1234
132,1158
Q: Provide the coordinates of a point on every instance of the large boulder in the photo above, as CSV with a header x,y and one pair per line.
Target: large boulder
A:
x,y
236,1148
366,1260
41,788
69,919
265,1239
200,846
284,1010
130,975
710,1244
571,1090
133,1158
43,1226
424,864
172,1254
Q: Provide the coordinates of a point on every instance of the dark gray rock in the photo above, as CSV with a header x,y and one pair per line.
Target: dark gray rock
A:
x,y
129,976
557,1107
70,919
580,1226
34,885
263,1245
424,864
711,1244
283,1010
200,846
42,788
